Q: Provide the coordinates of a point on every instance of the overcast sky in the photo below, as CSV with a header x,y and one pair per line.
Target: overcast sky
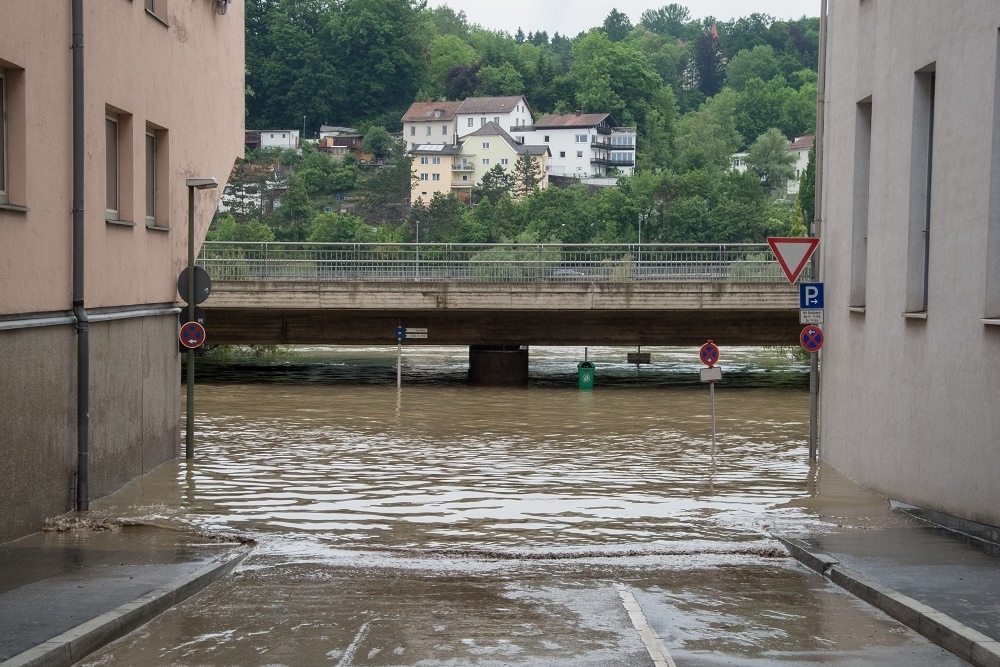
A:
x,y
569,17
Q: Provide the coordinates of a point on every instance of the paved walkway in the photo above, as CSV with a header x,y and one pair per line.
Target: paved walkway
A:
x,y
943,584
64,594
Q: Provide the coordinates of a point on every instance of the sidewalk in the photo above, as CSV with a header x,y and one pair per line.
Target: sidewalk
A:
x,y
65,594
942,583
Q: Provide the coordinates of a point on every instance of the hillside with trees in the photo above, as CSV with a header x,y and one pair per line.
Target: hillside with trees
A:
x,y
698,90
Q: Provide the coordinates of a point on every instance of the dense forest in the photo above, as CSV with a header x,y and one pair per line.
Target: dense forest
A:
x,y
697,90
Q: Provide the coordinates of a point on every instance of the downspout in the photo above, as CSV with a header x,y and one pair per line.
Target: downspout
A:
x,y
82,321
817,224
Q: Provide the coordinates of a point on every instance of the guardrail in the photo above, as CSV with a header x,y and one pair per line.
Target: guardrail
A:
x,y
490,263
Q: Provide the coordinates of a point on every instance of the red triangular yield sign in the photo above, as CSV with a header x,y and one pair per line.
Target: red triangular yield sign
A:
x,y
793,252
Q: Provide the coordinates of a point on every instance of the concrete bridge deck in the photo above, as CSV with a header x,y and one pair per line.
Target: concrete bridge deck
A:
x,y
664,300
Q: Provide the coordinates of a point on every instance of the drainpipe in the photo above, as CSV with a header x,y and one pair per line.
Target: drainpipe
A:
x,y
817,224
82,321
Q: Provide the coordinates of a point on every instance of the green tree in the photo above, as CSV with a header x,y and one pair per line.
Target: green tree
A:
x,y
669,20
759,62
708,137
806,198
617,26
386,190
707,59
769,158
494,184
527,174
378,141
445,53
252,231
339,228
296,208
499,81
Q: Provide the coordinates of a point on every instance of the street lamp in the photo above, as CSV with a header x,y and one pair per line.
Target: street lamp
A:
x,y
192,185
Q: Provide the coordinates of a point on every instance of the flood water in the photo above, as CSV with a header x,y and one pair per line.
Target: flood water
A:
x,y
444,524
320,447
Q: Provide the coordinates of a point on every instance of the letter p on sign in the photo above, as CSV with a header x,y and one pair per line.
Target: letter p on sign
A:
x,y
811,296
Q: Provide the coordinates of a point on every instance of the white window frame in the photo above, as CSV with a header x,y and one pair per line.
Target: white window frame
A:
x,y
428,130
496,119
435,160
579,153
486,162
504,161
472,122
444,130
413,131
423,177
435,177
423,159
109,212
486,144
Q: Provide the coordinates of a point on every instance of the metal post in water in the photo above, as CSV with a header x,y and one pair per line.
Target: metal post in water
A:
x,y
711,393
813,405
817,228
399,364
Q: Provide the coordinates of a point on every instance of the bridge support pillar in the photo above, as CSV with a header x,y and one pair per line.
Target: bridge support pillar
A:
x,y
498,365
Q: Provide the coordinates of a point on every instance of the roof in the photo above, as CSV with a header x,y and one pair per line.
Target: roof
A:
x,y
492,104
491,129
437,148
423,111
334,129
801,143
573,120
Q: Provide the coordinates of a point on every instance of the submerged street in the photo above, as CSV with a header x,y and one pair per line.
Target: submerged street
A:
x,y
446,524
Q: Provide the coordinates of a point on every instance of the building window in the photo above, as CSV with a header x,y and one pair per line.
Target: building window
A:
x,y
465,178
504,161
3,137
436,177
859,223
435,160
423,177
546,138
151,183
486,161
472,122
428,130
413,131
112,160
579,153
157,8
921,175
581,138
562,153
482,121
496,119
486,144
423,159
444,130
993,228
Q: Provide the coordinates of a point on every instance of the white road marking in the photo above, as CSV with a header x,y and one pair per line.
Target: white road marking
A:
x,y
353,647
657,651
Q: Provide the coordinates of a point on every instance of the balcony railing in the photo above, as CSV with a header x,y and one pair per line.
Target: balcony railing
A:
x,y
490,263
465,166
608,162
609,146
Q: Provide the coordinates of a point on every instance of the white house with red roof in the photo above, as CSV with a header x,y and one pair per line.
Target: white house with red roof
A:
x,y
475,112
583,145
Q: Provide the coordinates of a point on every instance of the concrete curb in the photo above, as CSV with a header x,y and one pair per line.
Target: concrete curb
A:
x,y
74,645
968,644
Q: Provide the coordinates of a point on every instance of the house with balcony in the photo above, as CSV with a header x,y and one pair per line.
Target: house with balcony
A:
x,y
431,123
583,145
433,166
458,168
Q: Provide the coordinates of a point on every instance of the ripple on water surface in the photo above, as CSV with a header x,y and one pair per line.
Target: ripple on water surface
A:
x,y
540,469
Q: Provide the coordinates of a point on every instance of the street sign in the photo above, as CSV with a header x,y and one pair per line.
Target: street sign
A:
x,y
202,285
413,335
199,316
811,296
810,316
416,332
638,358
709,354
811,338
793,253
711,374
192,335
400,333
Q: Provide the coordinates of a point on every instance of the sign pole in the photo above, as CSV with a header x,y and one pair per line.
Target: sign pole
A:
x,y
711,393
813,405
399,364
189,435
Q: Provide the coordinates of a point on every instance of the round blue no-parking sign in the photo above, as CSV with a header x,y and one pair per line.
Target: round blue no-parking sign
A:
x,y
811,338
709,354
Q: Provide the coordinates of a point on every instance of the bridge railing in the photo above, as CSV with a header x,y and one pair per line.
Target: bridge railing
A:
x,y
489,263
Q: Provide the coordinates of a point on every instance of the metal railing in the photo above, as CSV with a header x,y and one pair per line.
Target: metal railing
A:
x,y
490,263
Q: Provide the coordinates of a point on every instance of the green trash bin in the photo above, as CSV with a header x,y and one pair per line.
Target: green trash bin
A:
x,y
585,374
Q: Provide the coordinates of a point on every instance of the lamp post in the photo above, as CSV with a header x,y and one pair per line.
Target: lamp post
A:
x,y
418,250
192,185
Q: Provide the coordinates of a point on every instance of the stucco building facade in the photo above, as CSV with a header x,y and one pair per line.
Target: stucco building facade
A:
x,y
911,252
162,101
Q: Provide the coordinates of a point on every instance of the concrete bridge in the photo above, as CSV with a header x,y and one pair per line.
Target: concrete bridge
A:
x,y
498,295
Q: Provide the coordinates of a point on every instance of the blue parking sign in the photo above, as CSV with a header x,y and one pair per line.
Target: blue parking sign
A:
x,y
811,296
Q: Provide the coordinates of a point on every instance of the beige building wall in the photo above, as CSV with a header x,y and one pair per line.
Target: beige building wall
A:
x,y
178,74
910,394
